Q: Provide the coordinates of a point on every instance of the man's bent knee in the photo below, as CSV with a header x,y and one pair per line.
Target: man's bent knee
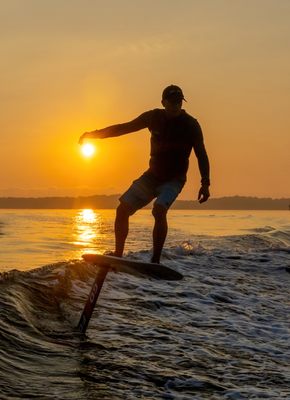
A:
x,y
124,210
159,211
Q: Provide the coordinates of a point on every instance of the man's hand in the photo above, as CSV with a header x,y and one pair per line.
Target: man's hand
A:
x,y
203,194
87,135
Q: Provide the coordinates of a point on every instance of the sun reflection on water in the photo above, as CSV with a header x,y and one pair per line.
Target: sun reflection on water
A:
x,y
87,216
88,232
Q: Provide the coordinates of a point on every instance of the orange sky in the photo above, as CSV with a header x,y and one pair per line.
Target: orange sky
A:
x,y
72,66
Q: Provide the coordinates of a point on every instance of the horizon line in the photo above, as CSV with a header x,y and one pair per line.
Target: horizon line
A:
x,y
118,195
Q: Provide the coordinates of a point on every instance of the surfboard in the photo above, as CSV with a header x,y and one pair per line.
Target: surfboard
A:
x,y
157,271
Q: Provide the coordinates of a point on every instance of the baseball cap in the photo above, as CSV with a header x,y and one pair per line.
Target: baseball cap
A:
x,y
173,93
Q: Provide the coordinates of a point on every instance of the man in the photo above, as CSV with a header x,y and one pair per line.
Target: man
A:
x,y
173,135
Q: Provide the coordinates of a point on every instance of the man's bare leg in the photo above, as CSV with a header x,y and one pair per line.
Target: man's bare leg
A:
x,y
159,231
121,228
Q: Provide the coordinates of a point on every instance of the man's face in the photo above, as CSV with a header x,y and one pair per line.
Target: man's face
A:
x,y
172,107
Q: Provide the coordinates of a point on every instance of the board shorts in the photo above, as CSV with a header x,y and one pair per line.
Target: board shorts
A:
x,y
146,188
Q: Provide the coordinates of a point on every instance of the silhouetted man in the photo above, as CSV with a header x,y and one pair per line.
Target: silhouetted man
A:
x,y
173,135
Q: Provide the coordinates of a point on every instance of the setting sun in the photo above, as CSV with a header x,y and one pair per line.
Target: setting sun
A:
x,y
88,150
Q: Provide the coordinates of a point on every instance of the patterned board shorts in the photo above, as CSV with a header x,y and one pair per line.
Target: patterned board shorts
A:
x,y
146,188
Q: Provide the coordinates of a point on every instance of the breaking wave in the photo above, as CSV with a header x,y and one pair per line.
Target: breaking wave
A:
x,y
221,332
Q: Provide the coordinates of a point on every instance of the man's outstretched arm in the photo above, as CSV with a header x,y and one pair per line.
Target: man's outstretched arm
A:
x,y
136,124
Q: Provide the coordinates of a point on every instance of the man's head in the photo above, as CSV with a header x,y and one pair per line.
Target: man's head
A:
x,y
173,94
172,97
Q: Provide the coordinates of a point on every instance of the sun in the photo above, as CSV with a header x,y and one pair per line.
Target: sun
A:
x,y
88,150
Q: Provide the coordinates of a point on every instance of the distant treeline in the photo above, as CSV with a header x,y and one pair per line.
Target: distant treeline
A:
x,y
103,202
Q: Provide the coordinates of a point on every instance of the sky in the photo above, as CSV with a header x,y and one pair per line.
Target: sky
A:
x,y
70,66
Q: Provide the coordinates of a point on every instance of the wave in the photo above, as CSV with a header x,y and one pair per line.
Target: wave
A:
x,y
39,311
282,234
266,240
30,294
160,337
264,229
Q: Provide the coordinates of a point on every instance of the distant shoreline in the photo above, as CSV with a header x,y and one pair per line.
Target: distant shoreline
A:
x,y
111,202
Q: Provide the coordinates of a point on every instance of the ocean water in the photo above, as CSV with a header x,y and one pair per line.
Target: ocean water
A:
x,y
223,332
